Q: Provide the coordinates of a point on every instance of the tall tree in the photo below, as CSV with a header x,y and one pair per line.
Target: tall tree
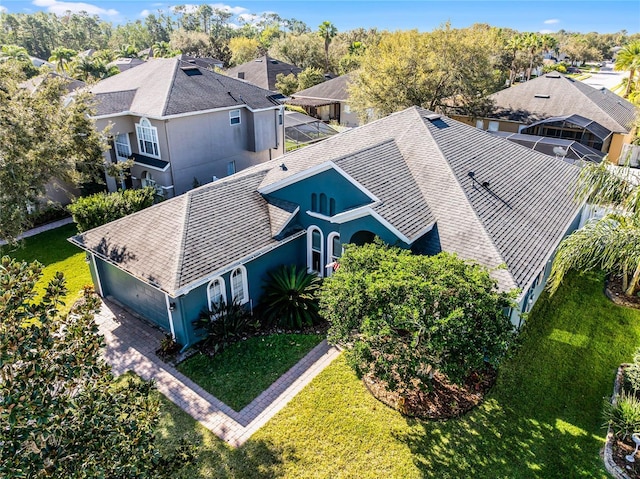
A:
x,y
62,414
243,50
62,57
629,59
42,137
611,243
327,31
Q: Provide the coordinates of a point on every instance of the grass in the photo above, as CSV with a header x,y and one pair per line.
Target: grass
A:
x,y
542,419
52,249
239,374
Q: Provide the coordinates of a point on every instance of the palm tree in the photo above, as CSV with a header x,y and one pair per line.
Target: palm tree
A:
x,y
514,46
62,57
629,59
13,52
163,50
611,243
533,44
327,31
127,51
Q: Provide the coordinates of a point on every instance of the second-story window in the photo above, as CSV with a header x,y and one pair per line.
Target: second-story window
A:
x,y
122,146
148,138
234,117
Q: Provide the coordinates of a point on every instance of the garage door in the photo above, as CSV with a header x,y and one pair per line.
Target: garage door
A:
x,y
136,295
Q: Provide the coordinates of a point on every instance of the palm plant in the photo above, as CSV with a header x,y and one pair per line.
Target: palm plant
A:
x,y
289,297
127,51
611,243
224,324
533,44
327,31
62,57
629,59
13,52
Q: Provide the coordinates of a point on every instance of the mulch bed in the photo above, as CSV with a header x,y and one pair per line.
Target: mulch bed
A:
x,y
619,450
614,291
444,400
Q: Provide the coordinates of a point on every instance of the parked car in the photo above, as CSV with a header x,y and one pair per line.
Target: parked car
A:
x,y
573,70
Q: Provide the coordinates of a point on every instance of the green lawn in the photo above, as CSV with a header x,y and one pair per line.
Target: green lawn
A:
x,y
52,249
239,374
541,420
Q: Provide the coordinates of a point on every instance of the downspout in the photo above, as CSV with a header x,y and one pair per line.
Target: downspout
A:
x,y
170,313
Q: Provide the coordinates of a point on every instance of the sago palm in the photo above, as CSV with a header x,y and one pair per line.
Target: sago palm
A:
x,y
289,298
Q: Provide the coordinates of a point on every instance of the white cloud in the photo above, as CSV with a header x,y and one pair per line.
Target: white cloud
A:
x,y
145,13
157,4
228,8
545,30
59,8
551,21
3,9
248,17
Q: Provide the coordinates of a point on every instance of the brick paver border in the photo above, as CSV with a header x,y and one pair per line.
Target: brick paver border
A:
x,y
131,345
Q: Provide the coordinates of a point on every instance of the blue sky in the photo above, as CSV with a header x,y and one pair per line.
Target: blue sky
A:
x,y
524,15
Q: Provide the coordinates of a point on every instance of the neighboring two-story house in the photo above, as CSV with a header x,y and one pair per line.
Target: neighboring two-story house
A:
x,y
556,106
263,71
185,125
415,179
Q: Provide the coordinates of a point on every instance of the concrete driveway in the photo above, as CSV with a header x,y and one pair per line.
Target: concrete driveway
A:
x,y
606,77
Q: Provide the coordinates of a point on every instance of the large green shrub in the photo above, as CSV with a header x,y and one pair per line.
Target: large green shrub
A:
x,y
290,297
403,316
224,324
624,416
95,210
632,374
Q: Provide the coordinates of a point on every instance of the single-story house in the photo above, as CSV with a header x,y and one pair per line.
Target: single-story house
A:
x,y
328,101
415,179
554,105
263,71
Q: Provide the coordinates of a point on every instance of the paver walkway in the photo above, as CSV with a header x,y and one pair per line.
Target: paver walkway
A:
x,y
131,345
40,229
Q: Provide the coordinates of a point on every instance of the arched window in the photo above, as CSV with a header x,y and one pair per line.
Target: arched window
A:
x,y
147,179
147,138
323,203
239,288
332,206
314,202
334,248
315,250
216,292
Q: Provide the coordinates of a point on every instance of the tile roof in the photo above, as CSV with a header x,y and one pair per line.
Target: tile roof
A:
x,y
262,71
419,169
334,89
169,86
554,94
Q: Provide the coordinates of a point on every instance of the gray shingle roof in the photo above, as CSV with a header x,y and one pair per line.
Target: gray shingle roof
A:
x,y
554,94
418,169
167,86
262,71
334,89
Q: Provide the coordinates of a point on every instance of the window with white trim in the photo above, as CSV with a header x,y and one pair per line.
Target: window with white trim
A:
x,y
216,293
493,126
239,287
122,146
147,179
480,124
147,138
346,108
334,248
234,117
315,251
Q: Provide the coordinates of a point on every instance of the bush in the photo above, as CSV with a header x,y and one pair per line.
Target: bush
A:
x,y
402,316
48,213
558,67
289,299
225,324
101,208
624,416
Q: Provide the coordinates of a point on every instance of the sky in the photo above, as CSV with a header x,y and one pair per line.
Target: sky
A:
x,y
604,16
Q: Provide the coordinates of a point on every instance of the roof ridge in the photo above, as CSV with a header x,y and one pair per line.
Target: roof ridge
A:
x,y
478,220
172,82
180,258
574,84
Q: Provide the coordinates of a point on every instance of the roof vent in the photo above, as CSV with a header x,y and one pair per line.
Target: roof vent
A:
x,y
241,75
191,71
275,62
433,117
539,95
283,167
485,184
553,75
259,60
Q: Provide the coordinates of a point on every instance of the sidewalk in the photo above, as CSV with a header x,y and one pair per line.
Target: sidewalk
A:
x,y
40,229
131,345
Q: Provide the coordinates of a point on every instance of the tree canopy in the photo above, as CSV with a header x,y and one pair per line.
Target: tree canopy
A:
x,y
42,137
403,316
61,414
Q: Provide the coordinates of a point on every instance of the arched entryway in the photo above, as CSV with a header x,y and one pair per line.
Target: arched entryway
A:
x,y
362,237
